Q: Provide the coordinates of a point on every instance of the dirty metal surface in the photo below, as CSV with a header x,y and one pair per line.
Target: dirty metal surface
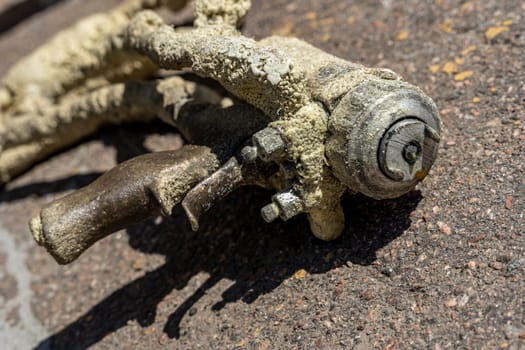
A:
x,y
442,267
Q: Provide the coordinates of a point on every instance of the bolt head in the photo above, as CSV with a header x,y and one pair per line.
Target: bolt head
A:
x,y
270,145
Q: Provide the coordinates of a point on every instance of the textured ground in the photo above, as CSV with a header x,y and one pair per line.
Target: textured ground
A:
x,y
440,268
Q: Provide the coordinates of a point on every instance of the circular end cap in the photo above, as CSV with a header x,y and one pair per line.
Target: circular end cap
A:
x,y
384,138
408,150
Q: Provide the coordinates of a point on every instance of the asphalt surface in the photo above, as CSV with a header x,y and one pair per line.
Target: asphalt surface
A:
x,y
440,268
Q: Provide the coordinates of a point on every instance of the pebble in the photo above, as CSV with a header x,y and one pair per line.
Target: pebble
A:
x,y
163,339
496,265
149,331
463,300
471,265
339,288
512,331
508,202
451,302
387,271
515,264
368,294
139,264
444,228
300,274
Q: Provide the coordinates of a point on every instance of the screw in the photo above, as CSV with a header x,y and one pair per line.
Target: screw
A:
x,y
270,212
411,152
249,154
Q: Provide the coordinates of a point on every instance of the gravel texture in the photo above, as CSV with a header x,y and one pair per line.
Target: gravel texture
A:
x,y
440,268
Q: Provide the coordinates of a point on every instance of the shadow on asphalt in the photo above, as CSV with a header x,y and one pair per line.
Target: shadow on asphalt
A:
x,y
39,189
128,142
234,243
20,10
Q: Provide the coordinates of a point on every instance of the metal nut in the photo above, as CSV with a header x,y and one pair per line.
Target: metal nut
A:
x,y
270,145
284,205
289,204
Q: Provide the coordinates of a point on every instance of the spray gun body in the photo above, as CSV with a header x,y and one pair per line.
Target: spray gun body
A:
x,y
383,133
302,122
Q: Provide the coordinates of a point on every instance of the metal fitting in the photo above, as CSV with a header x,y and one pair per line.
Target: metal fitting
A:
x,y
270,145
249,154
384,138
270,212
401,156
284,205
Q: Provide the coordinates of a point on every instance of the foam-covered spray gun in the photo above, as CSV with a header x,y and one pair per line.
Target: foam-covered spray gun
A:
x,y
303,122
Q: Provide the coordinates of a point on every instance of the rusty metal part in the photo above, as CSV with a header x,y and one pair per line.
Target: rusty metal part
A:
x,y
212,189
137,189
